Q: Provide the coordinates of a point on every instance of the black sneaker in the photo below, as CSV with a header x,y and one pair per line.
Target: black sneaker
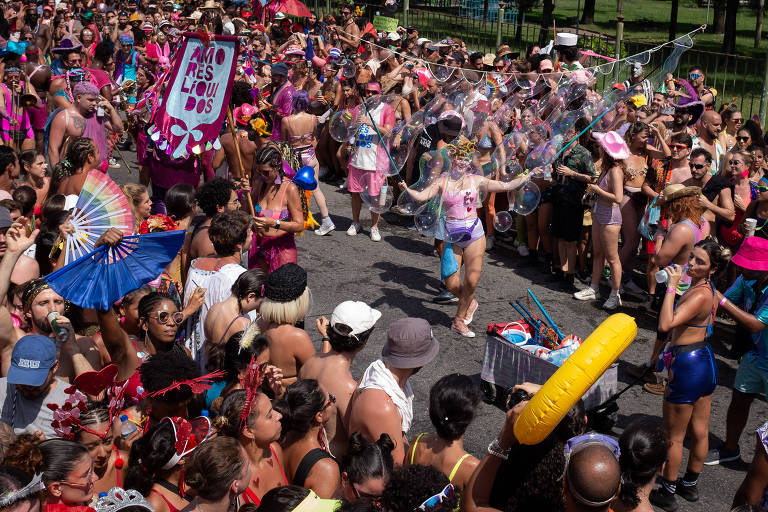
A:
x,y
663,499
722,454
445,297
567,284
687,492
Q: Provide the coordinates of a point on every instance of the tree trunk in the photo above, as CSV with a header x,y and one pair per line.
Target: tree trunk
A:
x,y
588,14
729,36
546,22
718,21
759,22
673,19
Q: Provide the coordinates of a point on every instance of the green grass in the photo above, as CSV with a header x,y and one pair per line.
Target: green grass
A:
x,y
648,21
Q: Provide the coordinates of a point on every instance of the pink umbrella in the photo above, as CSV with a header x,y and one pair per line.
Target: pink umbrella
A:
x,y
292,7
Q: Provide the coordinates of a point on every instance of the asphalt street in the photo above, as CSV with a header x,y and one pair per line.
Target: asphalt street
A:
x,y
400,275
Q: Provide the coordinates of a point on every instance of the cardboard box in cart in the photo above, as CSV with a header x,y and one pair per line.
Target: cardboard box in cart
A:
x,y
505,365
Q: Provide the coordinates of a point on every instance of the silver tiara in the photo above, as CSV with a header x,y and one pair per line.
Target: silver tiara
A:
x,y
9,498
118,499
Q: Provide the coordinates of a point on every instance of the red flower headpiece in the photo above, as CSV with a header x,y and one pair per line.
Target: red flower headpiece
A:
x,y
250,382
67,417
157,223
188,435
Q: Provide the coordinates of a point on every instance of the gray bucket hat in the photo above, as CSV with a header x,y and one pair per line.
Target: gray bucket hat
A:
x,y
410,344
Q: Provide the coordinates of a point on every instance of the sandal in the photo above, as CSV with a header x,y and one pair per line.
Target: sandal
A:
x,y
466,334
471,312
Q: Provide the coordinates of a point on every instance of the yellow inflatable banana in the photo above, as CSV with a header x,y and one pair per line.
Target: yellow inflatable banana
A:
x,y
577,374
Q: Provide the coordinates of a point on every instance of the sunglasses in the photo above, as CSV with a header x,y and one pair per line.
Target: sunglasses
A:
x,y
735,162
742,138
79,485
433,502
694,76
678,146
163,316
359,494
698,167
592,438
737,121
762,188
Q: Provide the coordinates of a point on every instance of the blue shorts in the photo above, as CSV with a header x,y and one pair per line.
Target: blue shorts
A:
x,y
692,372
750,378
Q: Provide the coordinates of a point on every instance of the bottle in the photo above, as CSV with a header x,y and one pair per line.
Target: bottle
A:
x,y
127,427
61,334
661,276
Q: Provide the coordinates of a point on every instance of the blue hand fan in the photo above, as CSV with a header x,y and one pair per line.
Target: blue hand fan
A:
x,y
101,277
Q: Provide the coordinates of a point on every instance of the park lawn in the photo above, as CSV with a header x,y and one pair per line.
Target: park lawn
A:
x,y
648,21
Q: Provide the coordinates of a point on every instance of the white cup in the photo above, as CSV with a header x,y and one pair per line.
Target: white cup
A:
x,y
751,225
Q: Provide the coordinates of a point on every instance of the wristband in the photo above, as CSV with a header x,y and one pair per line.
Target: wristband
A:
x,y
277,224
495,449
671,290
325,338
723,301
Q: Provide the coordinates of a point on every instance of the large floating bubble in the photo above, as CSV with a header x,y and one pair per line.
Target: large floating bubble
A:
x,y
502,222
377,195
426,221
343,125
525,199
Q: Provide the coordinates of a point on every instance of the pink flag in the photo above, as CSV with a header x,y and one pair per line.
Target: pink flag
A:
x,y
196,97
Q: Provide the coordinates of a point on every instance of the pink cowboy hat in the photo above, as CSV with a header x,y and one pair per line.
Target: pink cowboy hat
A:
x,y
243,113
753,254
613,144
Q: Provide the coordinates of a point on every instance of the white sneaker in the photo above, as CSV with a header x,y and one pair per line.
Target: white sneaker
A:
x,y
489,242
113,163
375,235
326,227
523,251
613,302
587,293
343,184
354,229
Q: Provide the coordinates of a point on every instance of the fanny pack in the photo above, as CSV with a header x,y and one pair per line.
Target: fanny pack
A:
x,y
461,233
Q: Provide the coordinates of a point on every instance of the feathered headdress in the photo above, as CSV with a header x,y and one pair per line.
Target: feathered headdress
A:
x,y
197,385
250,382
67,417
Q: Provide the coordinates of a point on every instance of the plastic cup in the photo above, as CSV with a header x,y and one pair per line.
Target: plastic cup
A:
x,y
751,225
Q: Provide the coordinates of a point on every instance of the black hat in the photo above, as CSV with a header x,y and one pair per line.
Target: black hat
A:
x,y
287,283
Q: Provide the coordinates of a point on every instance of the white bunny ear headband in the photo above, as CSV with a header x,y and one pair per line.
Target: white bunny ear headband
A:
x,y
11,497
118,499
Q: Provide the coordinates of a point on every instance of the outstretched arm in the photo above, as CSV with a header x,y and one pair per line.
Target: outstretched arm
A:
x,y
116,340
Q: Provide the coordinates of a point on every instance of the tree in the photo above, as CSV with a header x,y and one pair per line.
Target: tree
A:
x,y
588,14
729,35
673,19
523,6
718,20
759,22
546,22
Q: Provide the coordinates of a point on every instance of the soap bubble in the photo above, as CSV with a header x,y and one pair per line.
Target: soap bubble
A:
x,y
459,230
502,222
377,195
525,199
348,68
343,125
425,221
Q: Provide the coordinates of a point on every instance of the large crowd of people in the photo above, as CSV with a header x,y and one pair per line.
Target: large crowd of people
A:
x,y
202,389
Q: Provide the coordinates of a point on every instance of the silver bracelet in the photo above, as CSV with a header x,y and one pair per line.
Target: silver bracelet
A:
x,y
495,449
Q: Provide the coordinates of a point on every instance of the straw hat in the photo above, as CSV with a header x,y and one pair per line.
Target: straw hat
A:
x,y
678,190
506,50
488,59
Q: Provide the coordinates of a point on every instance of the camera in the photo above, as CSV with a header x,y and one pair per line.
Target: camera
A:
x,y
515,396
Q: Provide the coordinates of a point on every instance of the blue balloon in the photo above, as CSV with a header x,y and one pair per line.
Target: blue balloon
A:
x,y
305,178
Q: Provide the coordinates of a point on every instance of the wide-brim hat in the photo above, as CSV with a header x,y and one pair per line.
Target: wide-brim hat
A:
x,y
410,344
68,44
678,190
690,103
504,49
753,254
695,108
488,59
210,4
613,144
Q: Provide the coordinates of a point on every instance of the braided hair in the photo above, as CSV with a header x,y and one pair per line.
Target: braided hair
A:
x,y
273,155
78,151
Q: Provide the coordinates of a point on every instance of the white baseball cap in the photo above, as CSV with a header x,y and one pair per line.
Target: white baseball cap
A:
x,y
357,315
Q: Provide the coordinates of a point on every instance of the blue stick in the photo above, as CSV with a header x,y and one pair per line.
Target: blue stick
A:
x,y
546,315
536,322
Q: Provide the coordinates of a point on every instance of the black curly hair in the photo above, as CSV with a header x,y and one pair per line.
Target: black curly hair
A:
x,y
149,454
453,401
410,486
163,369
213,194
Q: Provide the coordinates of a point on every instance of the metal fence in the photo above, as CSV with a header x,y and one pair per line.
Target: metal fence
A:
x,y
737,79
